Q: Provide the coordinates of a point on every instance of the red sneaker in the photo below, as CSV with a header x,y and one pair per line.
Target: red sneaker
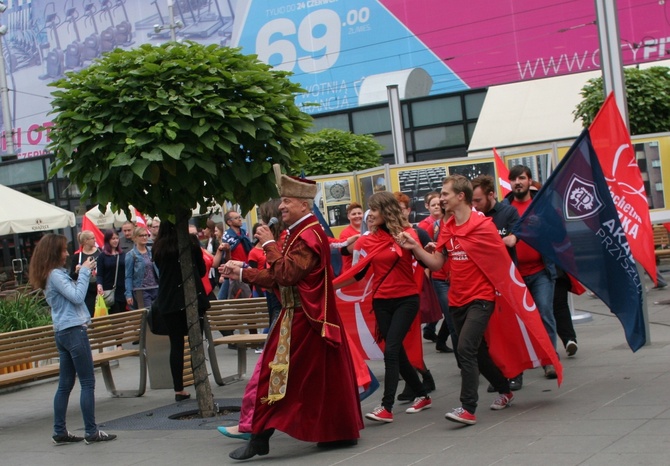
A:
x,y
503,401
419,404
462,416
380,414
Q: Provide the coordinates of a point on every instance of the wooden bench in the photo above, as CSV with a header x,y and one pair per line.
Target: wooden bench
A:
x,y
661,243
36,348
241,316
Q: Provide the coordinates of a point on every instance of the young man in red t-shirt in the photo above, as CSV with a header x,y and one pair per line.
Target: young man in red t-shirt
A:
x,y
539,276
471,295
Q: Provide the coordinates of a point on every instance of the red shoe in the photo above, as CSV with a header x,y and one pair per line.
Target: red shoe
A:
x,y
503,401
380,414
462,416
419,404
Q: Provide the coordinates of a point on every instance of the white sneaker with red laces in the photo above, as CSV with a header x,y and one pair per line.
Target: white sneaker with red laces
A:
x,y
419,404
503,401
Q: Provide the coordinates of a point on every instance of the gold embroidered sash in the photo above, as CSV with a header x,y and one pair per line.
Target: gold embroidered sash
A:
x,y
280,363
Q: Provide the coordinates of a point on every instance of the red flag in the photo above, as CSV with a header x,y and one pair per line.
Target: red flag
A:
x,y
139,219
88,225
611,141
503,174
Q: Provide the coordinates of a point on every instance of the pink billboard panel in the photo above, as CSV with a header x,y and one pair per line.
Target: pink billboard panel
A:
x,y
492,41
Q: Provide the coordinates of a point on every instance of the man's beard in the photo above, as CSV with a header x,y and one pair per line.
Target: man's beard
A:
x,y
519,195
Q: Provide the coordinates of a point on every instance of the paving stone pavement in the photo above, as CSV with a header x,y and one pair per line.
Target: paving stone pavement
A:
x,y
612,409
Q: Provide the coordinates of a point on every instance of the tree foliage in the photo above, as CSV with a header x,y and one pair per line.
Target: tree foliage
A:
x,y
171,125
647,95
334,151
165,128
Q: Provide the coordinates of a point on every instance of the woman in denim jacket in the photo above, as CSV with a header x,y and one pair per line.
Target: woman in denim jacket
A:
x,y
141,273
71,319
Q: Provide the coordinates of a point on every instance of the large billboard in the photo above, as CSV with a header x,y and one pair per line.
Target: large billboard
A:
x,y
343,52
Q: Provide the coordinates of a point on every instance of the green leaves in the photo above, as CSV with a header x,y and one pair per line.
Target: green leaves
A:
x,y
23,311
334,151
164,127
647,97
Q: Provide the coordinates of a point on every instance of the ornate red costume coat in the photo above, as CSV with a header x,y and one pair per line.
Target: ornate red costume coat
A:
x,y
318,396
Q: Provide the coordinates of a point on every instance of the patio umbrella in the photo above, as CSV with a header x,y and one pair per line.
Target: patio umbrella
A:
x,y
107,218
21,213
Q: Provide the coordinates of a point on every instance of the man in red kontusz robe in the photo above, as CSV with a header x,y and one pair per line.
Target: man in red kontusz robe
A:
x,y
307,384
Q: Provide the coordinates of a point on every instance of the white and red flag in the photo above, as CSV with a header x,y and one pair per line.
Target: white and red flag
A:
x,y
88,225
503,174
139,219
611,142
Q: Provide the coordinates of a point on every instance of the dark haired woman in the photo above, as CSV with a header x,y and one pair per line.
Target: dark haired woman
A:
x,y
395,298
70,318
112,271
170,302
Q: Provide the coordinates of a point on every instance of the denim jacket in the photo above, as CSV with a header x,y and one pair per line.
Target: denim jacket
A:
x,y
66,298
135,271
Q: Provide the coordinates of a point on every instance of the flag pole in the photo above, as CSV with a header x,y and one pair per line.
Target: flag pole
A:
x,y
613,79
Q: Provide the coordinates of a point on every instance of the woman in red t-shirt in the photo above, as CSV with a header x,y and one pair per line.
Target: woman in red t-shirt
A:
x,y
395,299
256,260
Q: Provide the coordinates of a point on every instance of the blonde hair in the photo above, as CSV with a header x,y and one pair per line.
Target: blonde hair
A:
x,y
84,235
138,231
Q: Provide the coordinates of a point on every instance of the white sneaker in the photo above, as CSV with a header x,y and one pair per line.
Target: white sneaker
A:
x,y
571,348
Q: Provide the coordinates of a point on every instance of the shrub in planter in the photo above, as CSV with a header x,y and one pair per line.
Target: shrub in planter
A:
x,y
24,311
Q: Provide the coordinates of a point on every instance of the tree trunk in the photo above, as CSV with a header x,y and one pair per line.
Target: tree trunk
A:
x,y
203,389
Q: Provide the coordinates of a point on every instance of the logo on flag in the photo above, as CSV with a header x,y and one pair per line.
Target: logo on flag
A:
x,y
581,199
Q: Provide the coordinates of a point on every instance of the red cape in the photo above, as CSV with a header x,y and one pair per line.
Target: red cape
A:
x,y
515,335
355,304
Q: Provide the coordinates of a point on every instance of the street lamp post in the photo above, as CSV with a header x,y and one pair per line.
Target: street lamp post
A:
x,y
173,26
4,92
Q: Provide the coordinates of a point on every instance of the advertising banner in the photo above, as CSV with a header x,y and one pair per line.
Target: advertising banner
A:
x,y
343,52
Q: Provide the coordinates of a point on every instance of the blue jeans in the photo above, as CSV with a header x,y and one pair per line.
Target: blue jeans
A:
x,y
223,291
541,287
75,360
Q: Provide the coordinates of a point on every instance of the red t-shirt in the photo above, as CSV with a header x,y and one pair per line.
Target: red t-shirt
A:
x,y
257,255
394,274
529,260
432,227
209,260
468,282
347,233
238,254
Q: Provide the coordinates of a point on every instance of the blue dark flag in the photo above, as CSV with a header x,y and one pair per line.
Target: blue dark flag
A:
x,y
335,257
573,222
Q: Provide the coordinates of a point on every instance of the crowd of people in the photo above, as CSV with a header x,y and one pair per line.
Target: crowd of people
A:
x,y
287,260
